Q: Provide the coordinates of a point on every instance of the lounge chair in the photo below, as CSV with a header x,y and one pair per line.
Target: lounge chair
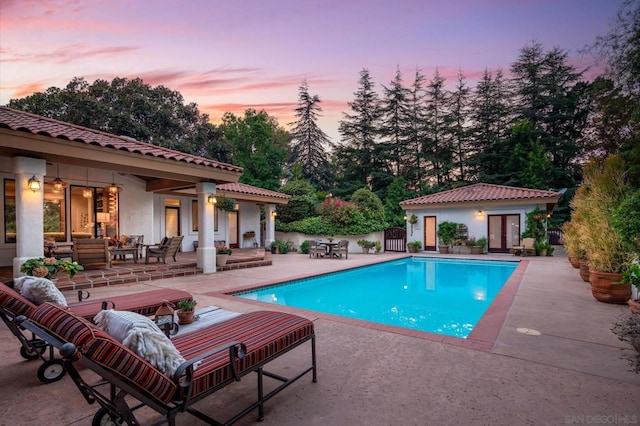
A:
x,y
88,251
526,249
162,251
223,352
12,304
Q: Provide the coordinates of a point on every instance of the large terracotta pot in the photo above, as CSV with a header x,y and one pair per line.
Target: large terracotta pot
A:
x,y
477,250
221,259
574,262
443,249
607,287
584,270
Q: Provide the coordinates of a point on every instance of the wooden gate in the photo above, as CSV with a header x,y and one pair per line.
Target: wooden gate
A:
x,y
395,239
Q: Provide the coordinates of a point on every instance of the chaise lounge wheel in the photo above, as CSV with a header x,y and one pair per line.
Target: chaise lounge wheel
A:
x,y
35,349
51,371
103,418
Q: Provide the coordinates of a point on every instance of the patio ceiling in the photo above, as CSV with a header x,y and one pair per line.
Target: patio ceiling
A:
x,y
164,170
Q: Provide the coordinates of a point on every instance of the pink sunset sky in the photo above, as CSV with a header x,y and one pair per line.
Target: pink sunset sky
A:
x,y
233,55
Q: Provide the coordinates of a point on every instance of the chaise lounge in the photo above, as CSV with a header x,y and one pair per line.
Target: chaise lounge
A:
x,y
223,352
13,304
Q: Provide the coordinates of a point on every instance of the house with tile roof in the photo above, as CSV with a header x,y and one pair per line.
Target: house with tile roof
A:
x,y
61,181
496,212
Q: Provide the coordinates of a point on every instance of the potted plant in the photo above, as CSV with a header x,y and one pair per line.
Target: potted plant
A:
x,y
602,191
414,246
631,276
366,245
446,233
225,203
477,246
48,267
186,308
412,221
378,247
222,255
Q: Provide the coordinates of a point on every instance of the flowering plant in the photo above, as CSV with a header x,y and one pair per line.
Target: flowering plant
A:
x,y
223,250
48,267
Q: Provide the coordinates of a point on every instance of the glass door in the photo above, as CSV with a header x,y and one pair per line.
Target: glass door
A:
x,y
504,232
430,233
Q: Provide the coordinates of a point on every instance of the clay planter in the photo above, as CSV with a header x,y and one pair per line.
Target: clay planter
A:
x,y
634,307
574,262
444,249
584,270
184,317
606,287
477,250
412,249
221,259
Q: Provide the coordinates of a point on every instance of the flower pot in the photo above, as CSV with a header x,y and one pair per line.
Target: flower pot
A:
x,y
584,270
444,249
365,250
607,287
574,262
184,317
221,259
634,306
412,249
477,250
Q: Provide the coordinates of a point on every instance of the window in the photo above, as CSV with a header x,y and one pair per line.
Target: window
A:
x,y
9,211
54,213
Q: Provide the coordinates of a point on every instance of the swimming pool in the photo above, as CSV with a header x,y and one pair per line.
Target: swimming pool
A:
x,y
444,296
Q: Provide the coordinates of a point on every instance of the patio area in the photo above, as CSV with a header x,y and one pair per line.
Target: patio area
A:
x,y
574,371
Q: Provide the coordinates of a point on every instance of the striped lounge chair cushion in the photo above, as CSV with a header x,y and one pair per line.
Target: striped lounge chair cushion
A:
x,y
14,302
266,334
105,351
145,303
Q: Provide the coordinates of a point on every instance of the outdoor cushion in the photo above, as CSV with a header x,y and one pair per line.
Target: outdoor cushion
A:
x,y
142,336
64,324
14,302
266,335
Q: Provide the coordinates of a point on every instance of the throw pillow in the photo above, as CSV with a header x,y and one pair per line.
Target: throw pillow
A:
x,y
39,290
142,336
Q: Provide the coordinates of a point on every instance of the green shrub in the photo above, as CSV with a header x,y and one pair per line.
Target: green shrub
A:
x,y
304,247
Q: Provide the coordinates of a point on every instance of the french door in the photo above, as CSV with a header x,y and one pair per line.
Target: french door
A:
x,y
504,232
430,233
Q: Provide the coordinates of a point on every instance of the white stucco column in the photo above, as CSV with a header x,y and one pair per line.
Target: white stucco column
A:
x,y
29,210
270,226
206,254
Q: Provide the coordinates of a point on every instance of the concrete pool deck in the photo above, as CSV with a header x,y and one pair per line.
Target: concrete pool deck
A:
x,y
574,372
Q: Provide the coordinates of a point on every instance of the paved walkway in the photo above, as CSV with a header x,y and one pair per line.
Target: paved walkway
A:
x,y
573,372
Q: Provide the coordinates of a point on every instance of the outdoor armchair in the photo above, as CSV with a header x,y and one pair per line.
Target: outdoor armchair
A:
x,y
162,251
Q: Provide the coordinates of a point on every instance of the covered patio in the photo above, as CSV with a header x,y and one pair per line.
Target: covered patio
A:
x,y
63,182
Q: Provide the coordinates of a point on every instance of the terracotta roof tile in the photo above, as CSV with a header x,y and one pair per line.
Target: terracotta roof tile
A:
x,y
241,188
36,124
481,192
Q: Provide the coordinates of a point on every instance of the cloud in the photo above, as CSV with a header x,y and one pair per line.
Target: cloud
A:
x,y
26,89
68,54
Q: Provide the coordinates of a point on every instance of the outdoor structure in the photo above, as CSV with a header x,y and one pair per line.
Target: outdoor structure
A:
x,y
495,212
61,181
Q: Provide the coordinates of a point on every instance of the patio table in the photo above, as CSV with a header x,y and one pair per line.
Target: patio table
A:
x,y
123,251
329,245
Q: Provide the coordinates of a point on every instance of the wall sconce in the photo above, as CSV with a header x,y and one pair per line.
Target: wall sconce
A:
x,y
211,199
236,207
274,213
479,213
404,217
34,184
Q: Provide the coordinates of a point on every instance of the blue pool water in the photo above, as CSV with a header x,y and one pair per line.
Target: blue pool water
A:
x,y
443,296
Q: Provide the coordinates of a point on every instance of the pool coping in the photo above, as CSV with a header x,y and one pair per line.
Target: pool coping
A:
x,y
482,337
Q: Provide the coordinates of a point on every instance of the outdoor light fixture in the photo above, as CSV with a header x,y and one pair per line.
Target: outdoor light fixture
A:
x,y
113,188
87,192
479,213
236,207
211,199
58,184
274,213
34,184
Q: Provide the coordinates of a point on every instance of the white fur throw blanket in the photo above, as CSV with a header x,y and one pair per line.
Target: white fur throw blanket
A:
x,y
39,290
